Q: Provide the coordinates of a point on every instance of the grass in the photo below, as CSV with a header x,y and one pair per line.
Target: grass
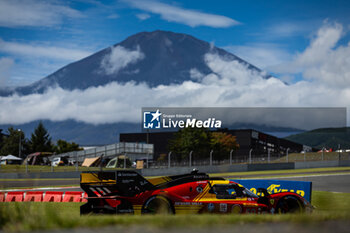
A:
x,y
39,216
313,156
289,171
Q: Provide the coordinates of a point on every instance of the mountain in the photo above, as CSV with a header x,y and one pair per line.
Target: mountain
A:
x,y
325,137
166,58
155,58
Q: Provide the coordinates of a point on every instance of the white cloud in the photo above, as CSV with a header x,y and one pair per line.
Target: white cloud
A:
x,y
177,14
6,65
120,57
143,16
113,16
261,55
17,13
42,51
322,61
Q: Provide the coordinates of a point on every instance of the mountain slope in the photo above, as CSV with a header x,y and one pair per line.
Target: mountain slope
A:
x,y
164,58
326,137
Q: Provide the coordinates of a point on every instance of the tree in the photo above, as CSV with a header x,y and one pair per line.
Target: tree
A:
x,y
222,144
191,139
11,143
64,147
201,141
40,140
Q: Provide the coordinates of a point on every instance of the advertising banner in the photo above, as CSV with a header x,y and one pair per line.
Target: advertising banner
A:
x,y
303,188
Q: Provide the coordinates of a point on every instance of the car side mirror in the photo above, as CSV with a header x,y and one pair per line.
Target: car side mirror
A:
x,y
263,191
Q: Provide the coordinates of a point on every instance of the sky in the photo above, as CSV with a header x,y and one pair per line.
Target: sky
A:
x,y
305,45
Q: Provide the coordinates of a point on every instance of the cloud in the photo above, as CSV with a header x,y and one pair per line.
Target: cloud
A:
x,y
113,16
177,14
42,51
120,57
6,65
143,16
262,55
322,61
230,84
18,13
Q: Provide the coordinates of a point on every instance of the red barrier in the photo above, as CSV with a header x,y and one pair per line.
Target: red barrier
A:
x,y
53,196
2,197
36,196
72,196
14,196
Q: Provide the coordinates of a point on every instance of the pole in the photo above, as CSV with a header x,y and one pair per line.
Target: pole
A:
x,y
191,158
268,155
169,159
76,161
339,152
287,154
211,157
125,161
323,153
231,156
147,160
19,145
250,156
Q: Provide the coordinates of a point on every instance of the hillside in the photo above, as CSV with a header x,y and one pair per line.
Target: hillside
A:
x,y
326,137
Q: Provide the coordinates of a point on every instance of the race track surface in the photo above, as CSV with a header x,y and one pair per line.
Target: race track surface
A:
x,y
329,181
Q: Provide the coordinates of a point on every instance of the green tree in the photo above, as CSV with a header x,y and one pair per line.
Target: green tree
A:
x,y
222,144
40,140
201,141
11,144
191,139
64,147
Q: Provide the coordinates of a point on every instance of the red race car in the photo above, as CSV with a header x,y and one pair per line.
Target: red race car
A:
x,y
120,192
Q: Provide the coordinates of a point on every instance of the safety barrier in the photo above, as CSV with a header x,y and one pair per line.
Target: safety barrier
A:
x,y
40,196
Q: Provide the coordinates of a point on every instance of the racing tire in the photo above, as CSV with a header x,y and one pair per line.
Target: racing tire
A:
x,y
158,205
290,204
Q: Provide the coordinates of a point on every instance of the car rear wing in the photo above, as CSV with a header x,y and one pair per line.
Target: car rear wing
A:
x,y
111,183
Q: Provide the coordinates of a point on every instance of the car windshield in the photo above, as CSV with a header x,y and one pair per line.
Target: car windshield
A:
x,y
249,193
231,191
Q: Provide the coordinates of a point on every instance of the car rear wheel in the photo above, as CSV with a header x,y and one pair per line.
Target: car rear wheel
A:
x,y
290,204
157,205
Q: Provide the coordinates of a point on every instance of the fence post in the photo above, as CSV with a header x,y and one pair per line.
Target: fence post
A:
x,y
268,155
191,158
76,161
250,156
169,154
323,153
287,154
231,156
125,161
211,158
147,160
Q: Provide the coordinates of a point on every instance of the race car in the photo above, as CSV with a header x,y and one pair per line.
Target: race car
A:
x,y
127,192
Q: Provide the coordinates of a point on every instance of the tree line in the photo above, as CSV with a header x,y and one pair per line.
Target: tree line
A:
x,y
201,142
40,141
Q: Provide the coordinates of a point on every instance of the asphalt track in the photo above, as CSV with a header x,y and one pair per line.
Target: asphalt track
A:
x,y
326,181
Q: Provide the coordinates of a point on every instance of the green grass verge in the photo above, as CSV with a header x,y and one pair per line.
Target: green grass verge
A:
x,y
313,156
289,171
40,216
